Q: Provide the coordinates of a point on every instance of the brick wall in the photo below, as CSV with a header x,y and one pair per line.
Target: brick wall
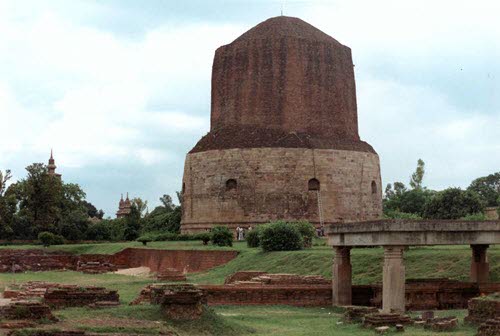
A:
x,y
419,295
157,260
272,183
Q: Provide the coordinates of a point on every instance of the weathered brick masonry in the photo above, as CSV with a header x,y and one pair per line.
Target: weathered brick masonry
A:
x,y
156,260
284,130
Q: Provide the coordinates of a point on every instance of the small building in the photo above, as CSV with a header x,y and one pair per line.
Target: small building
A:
x,y
124,207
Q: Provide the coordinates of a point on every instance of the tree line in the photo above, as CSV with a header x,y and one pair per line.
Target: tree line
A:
x,y
43,203
417,201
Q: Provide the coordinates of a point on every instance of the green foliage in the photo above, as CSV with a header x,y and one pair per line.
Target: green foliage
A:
x,y
280,236
145,239
42,203
394,214
252,237
453,203
488,188
418,176
221,236
163,219
48,238
204,237
475,217
406,201
132,224
99,231
307,231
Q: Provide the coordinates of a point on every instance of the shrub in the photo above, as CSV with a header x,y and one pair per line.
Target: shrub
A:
x,y
475,217
145,239
307,231
165,236
280,236
204,237
221,236
48,238
394,214
252,238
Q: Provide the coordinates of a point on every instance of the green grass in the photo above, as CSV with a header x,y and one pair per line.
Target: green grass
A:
x,y
423,262
295,321
111,248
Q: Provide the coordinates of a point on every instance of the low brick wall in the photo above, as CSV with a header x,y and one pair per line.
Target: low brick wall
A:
x,y
287,295
159,260
12,260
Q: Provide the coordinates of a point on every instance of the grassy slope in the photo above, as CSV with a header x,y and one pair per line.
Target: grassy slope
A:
x,y
424,262
111,248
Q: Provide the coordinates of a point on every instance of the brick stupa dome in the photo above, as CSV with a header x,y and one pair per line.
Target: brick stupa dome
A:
x,y
283,141
283,83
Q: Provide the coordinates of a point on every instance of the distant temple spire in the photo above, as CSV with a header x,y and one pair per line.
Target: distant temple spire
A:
x,y
124,207
51,167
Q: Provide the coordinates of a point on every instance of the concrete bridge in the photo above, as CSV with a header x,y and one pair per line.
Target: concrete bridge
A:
x,y
394,236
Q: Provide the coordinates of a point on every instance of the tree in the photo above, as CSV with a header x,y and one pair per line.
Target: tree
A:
x,y
488,188
132,224
4,178
418,176
6,207
40,197
92,211
166,200
453,203
140,205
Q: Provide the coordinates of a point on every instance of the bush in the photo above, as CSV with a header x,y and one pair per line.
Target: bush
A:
x,y
252,238
165,236
475,217
280,236
204,237
307,231
145,239
221,236
394,214
48,238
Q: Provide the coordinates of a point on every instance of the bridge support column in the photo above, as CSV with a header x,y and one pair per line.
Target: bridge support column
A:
x,y
342,277
393,288
479,268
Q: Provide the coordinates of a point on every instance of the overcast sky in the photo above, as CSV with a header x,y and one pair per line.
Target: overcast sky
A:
x,y
120,89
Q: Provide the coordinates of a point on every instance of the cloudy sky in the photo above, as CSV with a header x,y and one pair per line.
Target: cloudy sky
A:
x,y
120,89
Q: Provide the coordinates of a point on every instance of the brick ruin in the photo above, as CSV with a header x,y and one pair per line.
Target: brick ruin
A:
x,y
283,136
178,301
26,310
184,261
481,309
262,288
61,295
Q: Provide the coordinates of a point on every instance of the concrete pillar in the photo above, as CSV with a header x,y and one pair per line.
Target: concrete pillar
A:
x,y
393,288
342,277
479,268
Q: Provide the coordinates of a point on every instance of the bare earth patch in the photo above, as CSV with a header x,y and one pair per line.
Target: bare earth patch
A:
x,y
136,271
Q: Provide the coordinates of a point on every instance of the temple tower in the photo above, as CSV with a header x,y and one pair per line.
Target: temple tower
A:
x,y
51,167
283,140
